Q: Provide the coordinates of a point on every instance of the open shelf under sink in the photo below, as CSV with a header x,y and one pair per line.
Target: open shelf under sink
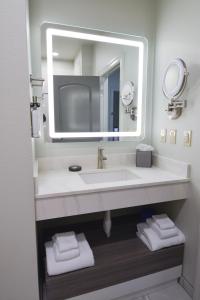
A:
x,y
121,258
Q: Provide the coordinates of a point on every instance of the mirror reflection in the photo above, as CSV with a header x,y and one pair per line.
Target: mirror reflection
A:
x,y
95,86
172,77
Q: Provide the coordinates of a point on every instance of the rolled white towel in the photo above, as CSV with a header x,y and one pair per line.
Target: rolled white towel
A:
x,y
67,255
152,240
162,233
84,260
163,221
65,241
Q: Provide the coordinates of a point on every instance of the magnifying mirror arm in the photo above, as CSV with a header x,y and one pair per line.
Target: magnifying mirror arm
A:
x,y
175,108
173,104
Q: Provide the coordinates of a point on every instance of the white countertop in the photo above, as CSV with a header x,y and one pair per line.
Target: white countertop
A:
x,y
60,182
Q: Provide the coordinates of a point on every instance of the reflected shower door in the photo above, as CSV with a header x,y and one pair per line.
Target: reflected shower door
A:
x,y
76,103
75,108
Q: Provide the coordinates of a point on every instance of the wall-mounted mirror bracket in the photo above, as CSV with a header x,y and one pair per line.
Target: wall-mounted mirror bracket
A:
x,y
175,108
133,113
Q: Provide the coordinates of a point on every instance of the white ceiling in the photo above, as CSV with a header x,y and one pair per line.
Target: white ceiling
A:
x,y
67,48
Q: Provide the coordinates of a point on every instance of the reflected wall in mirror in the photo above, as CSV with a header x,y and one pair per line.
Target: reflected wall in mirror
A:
x,y
87,74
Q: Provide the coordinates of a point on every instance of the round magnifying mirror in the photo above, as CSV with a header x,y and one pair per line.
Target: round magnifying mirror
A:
x,y
128,92
174,79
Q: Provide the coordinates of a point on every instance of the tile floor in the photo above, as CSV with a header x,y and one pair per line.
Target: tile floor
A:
x,y
172,292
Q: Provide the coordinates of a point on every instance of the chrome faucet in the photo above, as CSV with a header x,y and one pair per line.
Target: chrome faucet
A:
x,y
100,158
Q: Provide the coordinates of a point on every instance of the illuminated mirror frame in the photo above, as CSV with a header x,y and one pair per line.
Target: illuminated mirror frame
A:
x,y
134,42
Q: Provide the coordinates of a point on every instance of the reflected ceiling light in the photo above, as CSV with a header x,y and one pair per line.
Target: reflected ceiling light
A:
x,y
98,38
55,53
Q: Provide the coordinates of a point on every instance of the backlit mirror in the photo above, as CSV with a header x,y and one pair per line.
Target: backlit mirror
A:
x,y
95,82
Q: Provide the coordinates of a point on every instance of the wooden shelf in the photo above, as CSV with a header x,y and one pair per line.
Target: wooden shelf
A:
x,y
121,258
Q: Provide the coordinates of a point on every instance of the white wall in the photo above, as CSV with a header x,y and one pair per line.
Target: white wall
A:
x,y
178,36
135,17
87,60
60,67
63,67
18,261
78,64
83,62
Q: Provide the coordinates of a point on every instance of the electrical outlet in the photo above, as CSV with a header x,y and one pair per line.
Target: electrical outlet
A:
x,y
163,136
187,138
172,136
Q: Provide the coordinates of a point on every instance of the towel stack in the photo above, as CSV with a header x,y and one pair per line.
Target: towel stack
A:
x,y
68,252
159,232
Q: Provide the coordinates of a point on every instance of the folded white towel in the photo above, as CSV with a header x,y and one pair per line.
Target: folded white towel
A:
x,y
65,241
162,233
153,242
61,256
86,258
163,221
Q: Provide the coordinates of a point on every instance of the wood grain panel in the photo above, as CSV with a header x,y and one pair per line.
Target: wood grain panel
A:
x,y
121,258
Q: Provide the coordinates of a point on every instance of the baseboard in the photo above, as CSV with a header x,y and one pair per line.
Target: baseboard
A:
x,y
187,286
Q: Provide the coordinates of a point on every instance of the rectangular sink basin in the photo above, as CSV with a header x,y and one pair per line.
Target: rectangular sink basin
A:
x,y
102,176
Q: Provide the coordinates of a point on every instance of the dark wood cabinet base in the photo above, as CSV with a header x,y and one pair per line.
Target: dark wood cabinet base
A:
x,y
121,258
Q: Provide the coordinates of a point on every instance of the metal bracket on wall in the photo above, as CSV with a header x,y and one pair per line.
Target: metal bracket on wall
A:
x,y
36,81
132,111
175,108
35,104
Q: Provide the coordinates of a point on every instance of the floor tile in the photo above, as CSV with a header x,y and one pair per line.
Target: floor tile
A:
x,y
173,292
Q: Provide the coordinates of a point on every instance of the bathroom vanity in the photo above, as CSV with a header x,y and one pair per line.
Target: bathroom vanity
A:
x,y
61,193
122,261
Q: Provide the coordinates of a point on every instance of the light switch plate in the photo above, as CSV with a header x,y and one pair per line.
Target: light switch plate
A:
x,y
172,136
163,135
187,138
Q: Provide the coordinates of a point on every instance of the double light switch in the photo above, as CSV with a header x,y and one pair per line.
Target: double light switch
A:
x,y
172,136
